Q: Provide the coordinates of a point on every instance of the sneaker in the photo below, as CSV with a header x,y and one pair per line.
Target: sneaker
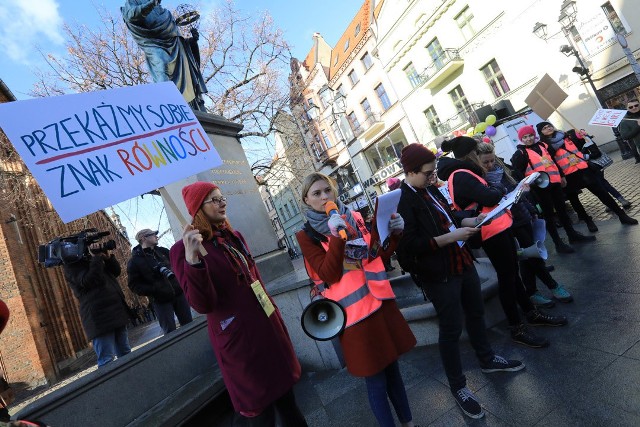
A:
x,y
561,294
522,335
540,300
563,248
468,402
538,318
624,202
500,364
580,238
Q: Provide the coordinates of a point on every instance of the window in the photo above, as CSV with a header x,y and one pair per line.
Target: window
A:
x,y
340,91
294,208
366,61
353,121
382,95
324,98
286,208
325,137
436,53
463,19
336,131
357,30
335,61
433,120
366,107
282,215
353,77
346,45
412,75
383,153
494,78
311,102
613,17
460,101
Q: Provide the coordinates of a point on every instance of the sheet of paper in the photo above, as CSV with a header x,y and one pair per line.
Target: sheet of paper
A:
x,y
509,199
386,205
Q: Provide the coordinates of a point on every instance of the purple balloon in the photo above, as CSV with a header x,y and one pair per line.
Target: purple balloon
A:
x,y
490,131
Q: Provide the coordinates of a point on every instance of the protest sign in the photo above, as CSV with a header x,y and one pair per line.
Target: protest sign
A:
x,y
92,150
608,118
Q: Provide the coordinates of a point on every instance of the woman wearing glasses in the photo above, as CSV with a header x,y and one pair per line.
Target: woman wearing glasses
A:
x,y
249,337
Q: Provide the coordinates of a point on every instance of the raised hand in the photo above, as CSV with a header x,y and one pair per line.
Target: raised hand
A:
x,y
192,240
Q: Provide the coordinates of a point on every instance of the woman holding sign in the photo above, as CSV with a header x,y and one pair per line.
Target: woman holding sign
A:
x,y
345,261
249,337
470,191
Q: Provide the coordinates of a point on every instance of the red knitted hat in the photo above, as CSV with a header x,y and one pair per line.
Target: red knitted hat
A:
x,y
194,194
526,130
414,156
4,315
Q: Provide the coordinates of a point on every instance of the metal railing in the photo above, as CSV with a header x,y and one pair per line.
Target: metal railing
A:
x,y
439,63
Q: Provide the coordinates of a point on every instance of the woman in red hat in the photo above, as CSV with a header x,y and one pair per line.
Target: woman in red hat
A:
x,y
249,337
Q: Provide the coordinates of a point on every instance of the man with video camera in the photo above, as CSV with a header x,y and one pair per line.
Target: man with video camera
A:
x,y
103,309
150,275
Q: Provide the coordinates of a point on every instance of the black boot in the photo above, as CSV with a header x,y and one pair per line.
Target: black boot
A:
x,y
626,219
523,335
576,237
563,248
591,225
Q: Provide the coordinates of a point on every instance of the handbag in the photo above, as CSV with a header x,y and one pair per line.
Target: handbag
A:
x,y
603,161
7,395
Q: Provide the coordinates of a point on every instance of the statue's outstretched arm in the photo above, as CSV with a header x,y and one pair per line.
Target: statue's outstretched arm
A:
x,y
132,11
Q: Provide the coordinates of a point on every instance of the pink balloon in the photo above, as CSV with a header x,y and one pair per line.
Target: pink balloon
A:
x,y
490,130
486,139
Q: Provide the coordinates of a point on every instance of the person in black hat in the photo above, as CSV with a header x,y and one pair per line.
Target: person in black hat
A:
x,y
149,271
434,242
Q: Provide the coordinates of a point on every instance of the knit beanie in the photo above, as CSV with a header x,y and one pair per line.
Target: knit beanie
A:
x,y
526,130
414,156
460,145
540,125
393,183
194,194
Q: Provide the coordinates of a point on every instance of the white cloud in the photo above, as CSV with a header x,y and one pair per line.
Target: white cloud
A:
x,y
27,23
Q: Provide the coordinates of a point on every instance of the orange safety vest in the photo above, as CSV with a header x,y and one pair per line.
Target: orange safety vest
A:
x,y
498,224
542,163
360,291
569,158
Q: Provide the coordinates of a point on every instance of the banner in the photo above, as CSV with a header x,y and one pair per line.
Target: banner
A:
x,y
92,150
608,118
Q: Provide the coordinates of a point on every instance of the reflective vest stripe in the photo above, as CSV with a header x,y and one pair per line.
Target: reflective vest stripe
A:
x,y
569,158
360,292
498,224
542,163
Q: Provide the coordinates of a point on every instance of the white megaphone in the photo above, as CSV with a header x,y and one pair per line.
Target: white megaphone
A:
x,y
323,319
537,250
542,181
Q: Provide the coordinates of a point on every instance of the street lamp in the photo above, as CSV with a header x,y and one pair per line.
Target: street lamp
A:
x,y
338,105
567,18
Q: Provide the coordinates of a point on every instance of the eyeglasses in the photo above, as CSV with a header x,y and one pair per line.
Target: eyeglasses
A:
x,y
429,174
547,127
215,200
633,106
149,235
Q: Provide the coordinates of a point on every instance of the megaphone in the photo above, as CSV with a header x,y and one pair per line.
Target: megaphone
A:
x,y
542,181
323,319
537,250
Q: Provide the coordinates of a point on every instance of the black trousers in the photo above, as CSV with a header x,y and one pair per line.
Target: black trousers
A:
x,y
531,268
501,250
552,198
586,178
287,409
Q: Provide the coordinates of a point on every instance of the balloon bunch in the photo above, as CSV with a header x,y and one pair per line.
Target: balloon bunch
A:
x,y
485,127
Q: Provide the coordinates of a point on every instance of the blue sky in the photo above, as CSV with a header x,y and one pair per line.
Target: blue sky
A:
x,y
26,24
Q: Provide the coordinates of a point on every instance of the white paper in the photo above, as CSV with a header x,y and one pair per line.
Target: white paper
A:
x,y
509,199
607,117
386,205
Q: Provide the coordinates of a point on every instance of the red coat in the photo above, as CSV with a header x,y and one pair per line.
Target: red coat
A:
x,y
254,351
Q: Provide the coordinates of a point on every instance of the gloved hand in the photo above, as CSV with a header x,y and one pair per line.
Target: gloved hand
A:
x,y
336,223
396,224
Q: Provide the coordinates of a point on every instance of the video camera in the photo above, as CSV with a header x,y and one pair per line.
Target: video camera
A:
x,y
70,249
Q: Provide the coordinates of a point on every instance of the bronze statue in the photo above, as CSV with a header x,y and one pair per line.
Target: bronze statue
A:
x,y
169,55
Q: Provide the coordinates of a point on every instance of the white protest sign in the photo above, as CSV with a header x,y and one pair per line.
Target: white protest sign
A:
x,y
92,150
609,118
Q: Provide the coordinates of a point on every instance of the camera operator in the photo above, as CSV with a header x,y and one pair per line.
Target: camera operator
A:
x,y
103,310
150,275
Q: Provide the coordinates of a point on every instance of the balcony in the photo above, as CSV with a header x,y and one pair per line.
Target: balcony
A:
x,y
329,156
371,126
442,67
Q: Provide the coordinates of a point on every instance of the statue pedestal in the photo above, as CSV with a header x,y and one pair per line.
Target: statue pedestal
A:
x,y
245,209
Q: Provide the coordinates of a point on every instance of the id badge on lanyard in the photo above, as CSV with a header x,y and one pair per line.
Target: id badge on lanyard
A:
x,y
452,226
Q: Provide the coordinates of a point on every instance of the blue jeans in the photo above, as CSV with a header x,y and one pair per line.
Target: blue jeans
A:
x,y
165,313
111,345
388,382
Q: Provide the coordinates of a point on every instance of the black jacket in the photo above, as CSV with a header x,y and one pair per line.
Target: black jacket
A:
x,y
102,303
467,188
421,225
145,277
